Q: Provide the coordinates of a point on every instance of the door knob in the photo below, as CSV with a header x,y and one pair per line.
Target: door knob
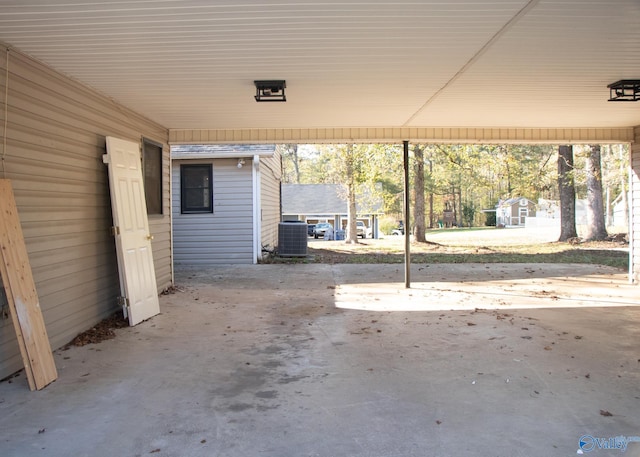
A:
x,y
149,237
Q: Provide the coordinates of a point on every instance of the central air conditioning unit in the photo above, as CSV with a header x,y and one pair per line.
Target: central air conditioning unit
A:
x,y
292,239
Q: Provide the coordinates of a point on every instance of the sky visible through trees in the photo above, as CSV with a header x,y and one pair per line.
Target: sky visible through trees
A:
x,y
465,178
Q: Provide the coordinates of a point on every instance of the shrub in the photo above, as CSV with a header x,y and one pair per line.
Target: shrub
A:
x,y
387,224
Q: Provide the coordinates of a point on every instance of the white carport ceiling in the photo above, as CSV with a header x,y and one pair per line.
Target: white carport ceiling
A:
x,y
450,63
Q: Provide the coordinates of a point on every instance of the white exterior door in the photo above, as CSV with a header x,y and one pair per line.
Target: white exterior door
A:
x,y
133,240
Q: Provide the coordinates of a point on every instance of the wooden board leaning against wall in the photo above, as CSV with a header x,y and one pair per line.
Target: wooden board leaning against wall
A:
x,y
22,297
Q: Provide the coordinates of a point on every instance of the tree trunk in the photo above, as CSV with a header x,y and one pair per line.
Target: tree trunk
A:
x,y
418,188
459,222
430,210
509,187
567,190
352,229
352,233
296,161
596,227
608,210
624,181
290,154
454,207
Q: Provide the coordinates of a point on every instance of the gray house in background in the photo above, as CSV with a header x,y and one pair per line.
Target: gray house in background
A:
x,y
225,202
313,203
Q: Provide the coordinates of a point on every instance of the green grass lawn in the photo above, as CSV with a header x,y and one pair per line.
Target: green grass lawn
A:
x,y
475,245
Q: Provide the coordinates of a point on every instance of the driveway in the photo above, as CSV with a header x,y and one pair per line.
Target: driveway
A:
x,y
342,360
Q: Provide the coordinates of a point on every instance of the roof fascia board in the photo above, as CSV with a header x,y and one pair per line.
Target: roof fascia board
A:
x,y
456,135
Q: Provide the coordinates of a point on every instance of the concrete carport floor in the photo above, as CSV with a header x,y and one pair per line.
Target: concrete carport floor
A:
x,y
342,360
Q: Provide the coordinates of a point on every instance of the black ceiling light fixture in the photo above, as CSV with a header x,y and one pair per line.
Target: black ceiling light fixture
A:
x,y
625,90
270,91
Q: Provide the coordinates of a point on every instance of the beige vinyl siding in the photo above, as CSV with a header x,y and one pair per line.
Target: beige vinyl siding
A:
x,y
55,139
270,176
635,208
224,236
160,225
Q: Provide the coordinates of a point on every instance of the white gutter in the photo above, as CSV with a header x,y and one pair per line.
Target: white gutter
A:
x,y
173,268
257,219
631,235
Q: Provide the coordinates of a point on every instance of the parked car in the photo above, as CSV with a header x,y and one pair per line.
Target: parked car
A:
x,y
398,231
310,229
321,228
361,229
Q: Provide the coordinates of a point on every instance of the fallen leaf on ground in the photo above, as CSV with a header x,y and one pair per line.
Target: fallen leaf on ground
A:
x,y
605,413
100,332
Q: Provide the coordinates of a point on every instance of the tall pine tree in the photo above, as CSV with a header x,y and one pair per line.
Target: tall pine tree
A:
x,y
596,227
567,190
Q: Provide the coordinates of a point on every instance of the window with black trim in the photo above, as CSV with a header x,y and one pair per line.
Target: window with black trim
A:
x,y
196,185
152,169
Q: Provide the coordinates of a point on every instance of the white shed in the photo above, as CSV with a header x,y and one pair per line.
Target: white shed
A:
x,y
226,202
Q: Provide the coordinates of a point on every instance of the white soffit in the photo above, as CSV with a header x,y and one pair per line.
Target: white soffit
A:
x,y
455,63
551,69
